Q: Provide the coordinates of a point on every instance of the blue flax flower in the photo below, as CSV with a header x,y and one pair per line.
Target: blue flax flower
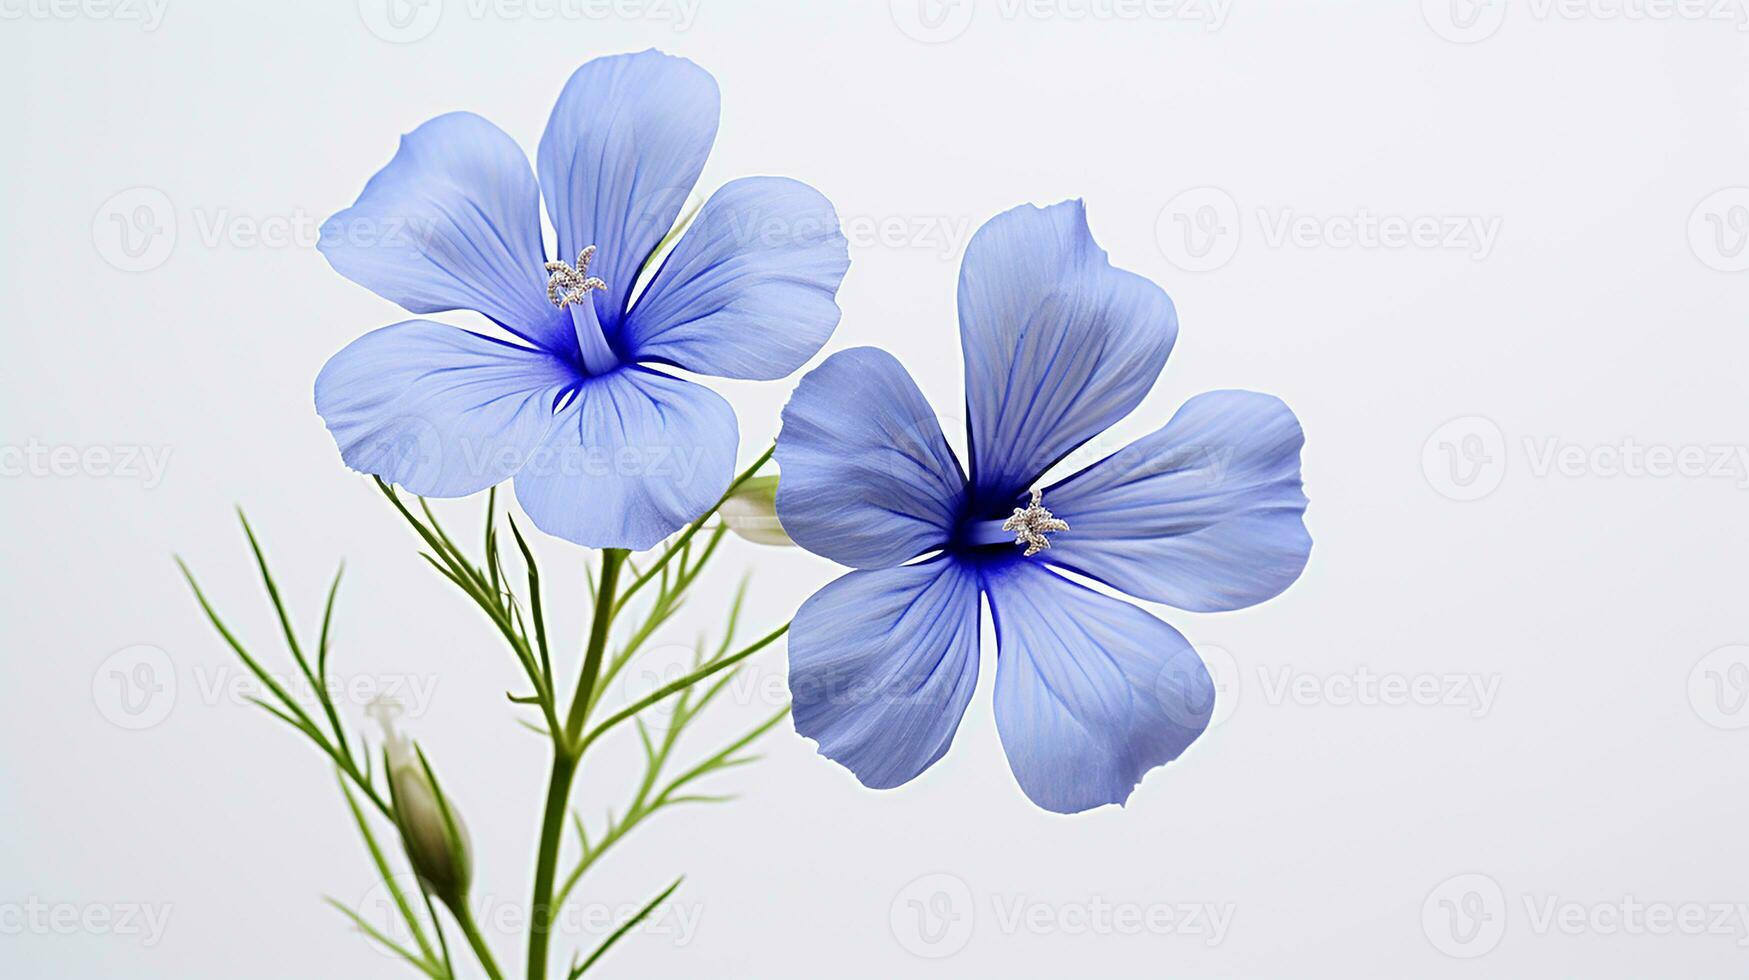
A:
x,y
1091,692
607,448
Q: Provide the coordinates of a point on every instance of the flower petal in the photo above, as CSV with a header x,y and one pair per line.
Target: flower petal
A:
x,y
748,291
882,664
1058,344
622,150
634,457
437,410
452,223
1205,514
867,479
1091,692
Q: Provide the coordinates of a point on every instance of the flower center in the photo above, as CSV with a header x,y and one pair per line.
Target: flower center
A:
x,y
567,284
1032,524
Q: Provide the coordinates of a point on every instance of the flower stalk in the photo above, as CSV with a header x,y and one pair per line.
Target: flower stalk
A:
x,y
399,785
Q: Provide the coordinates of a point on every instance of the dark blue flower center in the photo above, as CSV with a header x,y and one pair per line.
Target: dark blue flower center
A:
x,y
987,533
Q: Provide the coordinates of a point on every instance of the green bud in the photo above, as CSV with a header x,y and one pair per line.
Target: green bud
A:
x,y
751,512
435,839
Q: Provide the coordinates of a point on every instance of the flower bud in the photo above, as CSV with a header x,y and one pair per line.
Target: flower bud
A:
x,y
751,512
435,839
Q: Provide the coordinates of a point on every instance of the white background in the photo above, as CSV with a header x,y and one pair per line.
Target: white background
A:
x,y
1333,821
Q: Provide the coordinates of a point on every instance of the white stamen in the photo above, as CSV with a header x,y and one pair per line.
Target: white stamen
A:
x,y
567,285
1032,523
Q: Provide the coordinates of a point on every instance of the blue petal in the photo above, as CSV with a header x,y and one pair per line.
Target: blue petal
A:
x,y
1058,344
1205,514
867,478
634,457
749,290
622,150
1091,692
440,411
882,664
452,223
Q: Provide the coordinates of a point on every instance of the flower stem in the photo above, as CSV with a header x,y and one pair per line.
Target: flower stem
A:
x,y
565,759
466,919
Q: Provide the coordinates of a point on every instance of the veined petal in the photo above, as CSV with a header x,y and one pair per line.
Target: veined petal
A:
x,y
622,150
882,664
1058,344
437,410
1091,692
866,477
635,456
1205,514
749,291
452,223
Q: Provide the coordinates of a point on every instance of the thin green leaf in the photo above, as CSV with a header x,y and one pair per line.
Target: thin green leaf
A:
x,y
327,619
388,876
534,602
434,971
681,684
626,927
692,529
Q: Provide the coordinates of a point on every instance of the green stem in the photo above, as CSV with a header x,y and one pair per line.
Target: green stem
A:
x,y
611,561
465,918
565,758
